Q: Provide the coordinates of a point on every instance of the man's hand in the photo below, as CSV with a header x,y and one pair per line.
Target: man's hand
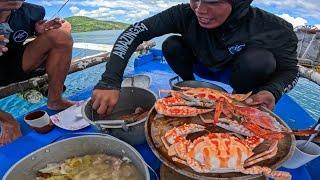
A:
x,y
44,25
104,100
262,98
3,42
10,128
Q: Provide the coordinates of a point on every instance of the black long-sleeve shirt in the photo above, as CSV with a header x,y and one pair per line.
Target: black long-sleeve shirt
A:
x,y
246,25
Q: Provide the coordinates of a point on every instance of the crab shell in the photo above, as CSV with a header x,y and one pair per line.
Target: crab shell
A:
x,y
221,152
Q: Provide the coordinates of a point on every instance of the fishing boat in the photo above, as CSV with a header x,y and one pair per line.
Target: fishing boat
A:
x,y
152,64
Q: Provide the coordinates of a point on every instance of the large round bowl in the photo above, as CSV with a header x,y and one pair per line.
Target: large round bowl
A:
x,y
156,127
130,99
27,167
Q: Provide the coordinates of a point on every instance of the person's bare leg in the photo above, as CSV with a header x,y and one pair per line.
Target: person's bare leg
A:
x,y
54,46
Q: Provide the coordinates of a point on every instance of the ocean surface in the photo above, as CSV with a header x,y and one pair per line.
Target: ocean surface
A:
x,y
306,93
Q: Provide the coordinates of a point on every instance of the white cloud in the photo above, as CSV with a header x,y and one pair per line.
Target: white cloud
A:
x,y
74,9
298,21
299,8
317,25
97,13
129,11
136,10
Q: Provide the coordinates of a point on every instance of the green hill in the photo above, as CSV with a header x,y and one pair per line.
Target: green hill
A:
x,y
85,24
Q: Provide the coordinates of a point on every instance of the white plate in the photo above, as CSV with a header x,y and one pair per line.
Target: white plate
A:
x,y
71,118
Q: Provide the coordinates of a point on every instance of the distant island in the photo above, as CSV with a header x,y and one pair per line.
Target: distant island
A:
x,y
85,24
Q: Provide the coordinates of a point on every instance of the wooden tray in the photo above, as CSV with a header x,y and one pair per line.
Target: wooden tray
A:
x,y
156,128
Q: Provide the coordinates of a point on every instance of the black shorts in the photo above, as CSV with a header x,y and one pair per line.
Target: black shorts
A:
x,y
11,66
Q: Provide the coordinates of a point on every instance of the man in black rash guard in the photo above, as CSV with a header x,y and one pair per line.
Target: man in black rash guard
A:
x,y
52,48
218,38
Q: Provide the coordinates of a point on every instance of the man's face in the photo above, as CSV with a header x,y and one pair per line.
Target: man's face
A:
x,y
211,14
8,5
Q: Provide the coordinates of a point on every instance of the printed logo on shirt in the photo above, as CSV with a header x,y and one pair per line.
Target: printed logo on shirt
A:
x,y
236,48
20,36
125,40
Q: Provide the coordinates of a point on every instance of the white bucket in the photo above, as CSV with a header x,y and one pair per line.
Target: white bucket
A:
x,y
302,156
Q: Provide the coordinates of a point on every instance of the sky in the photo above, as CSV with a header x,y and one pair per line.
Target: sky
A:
x,y
297,12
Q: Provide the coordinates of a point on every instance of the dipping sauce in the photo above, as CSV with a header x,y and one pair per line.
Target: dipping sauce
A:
x,y
91,167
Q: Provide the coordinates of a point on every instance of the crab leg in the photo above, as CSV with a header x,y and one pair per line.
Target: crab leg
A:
x,y
190,101
253,141
266,171
165,142
218,110
207,121
171,106
198,167
232,126
229,125
176,143
263,119
180,148
263,133
179,161
182,131
193,164
176,106
183,111
271,152
306,132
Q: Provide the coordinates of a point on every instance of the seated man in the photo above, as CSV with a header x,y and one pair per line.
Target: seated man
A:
x,y
255,49
9,128
52,48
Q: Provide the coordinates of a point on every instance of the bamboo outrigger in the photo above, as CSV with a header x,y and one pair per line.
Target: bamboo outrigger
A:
x,y
310,64
309,74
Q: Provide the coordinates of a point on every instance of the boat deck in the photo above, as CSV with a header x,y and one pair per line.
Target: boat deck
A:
x,y
160,74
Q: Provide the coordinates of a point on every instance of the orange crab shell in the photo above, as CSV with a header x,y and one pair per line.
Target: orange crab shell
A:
x,y
221,152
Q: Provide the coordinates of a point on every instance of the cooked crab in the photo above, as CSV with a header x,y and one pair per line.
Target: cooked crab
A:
x,y
219,152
